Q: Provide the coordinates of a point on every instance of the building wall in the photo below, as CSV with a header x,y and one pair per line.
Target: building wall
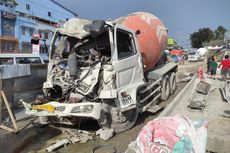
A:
x,y
5,7
35,17
8,18
41,8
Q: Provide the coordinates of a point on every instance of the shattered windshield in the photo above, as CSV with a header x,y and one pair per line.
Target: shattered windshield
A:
x,y
75,64
86,49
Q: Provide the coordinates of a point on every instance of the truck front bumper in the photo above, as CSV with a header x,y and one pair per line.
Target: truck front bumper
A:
x,y
84,109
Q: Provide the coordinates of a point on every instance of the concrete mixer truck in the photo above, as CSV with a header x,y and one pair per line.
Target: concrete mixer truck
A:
x,y
109,71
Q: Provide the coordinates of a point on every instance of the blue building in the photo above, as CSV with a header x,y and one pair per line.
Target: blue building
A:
x,y
21,19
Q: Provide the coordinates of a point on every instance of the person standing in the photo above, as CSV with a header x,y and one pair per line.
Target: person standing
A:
x,y
213,68
225,67
209,64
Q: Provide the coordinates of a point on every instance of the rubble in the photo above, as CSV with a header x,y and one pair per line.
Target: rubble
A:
x,y
80,136
105,134
199,95
58,144
187,77
226,91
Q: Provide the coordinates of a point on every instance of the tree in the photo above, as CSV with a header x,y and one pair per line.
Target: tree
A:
x,y
203,35
219,32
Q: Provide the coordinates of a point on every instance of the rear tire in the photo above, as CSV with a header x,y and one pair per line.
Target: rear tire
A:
x,y
165,89
172,82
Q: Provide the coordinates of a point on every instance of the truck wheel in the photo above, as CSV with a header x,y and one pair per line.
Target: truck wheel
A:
x,y
119,121
172,82
165,89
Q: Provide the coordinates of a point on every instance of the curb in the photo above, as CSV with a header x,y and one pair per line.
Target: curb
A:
x,y
176,100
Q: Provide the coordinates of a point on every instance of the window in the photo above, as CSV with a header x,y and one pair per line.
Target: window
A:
x,y
46,35
34,60
40,33
22,14
5,61
43,49
125,44
26,48
28,60
49,14
8,46
23,31
51,33
31,32
27,6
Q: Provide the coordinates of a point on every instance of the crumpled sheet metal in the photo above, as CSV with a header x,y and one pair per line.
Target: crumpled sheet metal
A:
x,y
76,27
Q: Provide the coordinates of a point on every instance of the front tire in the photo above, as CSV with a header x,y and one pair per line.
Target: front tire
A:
x,y
119,121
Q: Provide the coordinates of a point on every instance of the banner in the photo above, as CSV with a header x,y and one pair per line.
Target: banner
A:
x,y
36,47
8,24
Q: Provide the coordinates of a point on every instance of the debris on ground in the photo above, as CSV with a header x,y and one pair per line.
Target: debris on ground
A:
x,y
187,77
226,91
171,134
109,148
71,136
80,136
58,144
187,74
199,95
105,134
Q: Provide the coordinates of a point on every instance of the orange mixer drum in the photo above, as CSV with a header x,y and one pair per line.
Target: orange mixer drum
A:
x,y
152,38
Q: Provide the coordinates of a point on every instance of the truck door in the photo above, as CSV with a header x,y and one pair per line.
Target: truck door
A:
x,y
129,69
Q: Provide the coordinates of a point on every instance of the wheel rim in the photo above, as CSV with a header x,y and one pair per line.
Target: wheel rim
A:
x,y
129,121
119,121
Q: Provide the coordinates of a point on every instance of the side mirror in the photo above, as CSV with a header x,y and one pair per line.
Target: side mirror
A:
x,y
34,40
97,28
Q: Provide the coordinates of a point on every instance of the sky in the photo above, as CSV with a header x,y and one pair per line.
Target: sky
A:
x,y
181,17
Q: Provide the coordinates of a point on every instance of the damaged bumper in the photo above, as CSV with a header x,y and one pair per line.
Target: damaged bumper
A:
x,y
86,109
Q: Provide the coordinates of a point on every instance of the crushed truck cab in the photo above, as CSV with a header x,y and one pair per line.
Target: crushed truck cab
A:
x,y
106,70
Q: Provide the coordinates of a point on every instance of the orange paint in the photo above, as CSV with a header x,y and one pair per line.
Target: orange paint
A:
x,y
152,39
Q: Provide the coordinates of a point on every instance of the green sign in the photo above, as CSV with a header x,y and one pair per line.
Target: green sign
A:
x,y
171,41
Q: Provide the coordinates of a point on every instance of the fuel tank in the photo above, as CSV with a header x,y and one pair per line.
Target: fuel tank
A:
x,y
153,36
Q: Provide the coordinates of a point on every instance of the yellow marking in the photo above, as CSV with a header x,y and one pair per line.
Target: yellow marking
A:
x,y
48,108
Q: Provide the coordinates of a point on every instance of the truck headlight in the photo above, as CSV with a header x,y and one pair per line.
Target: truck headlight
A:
x,y
83,109
60,108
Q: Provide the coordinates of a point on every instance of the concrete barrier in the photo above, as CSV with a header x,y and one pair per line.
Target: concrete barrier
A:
x,y
22,81
176,100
